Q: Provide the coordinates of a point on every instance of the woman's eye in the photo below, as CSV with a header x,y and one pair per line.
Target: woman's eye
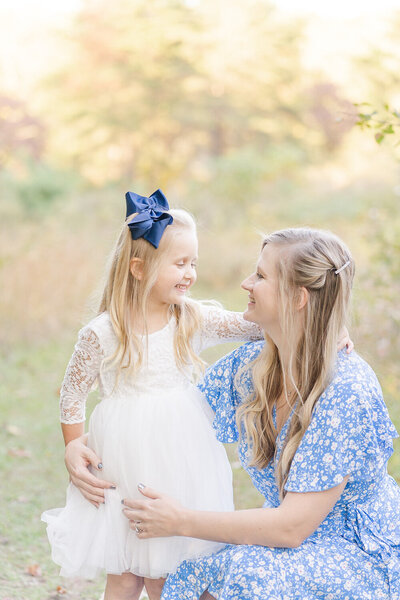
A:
x,y
259,276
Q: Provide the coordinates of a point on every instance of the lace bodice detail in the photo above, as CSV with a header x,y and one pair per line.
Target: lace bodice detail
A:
x,y
159,374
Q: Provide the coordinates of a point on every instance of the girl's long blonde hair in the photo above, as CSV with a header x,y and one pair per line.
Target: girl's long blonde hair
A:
x,y
307,259
125,297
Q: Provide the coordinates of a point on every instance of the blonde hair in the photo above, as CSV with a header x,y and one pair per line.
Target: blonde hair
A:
x,y
307,259
125,297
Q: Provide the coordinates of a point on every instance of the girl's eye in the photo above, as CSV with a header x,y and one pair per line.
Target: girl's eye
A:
x,y
258,275
181,264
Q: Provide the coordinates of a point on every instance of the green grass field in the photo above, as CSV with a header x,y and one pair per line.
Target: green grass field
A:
x,y
33,476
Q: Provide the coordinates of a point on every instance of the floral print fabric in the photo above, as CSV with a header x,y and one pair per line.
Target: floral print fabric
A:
x,y
355,552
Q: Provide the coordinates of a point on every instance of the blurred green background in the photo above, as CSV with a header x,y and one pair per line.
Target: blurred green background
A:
x,y
241,112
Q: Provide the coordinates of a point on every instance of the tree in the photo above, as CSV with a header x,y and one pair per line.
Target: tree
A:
x,y
168,89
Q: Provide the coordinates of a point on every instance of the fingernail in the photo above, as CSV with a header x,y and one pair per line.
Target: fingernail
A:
x,y
122,501
100,466
141,486
113,487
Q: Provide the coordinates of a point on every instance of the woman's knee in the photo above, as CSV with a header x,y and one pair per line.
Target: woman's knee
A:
x,y
125,587
154,587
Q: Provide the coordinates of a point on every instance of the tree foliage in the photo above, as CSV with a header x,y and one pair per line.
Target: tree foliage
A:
x,y
155,90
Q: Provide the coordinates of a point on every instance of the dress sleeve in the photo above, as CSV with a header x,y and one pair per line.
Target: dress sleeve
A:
x,y
220,326
350,434
224,391
81,373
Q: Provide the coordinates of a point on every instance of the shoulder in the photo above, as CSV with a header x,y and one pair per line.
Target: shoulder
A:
x,y
101,326
354,381
206,309
354,398
242,355
224,371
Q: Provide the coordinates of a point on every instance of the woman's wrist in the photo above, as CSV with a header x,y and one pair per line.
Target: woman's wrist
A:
x,y
186,520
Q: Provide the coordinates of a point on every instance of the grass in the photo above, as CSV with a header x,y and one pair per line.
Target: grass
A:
x,y
43,283
31,466
34,477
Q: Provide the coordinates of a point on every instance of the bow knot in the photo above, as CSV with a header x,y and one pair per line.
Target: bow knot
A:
x,y
151,218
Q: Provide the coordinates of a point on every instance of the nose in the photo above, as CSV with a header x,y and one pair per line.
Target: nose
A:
x,y
190,272
247,284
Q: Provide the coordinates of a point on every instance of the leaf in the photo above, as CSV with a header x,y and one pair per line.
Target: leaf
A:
x,y
379,137
19,453
34,570
13,430
364,116
61,590
388,129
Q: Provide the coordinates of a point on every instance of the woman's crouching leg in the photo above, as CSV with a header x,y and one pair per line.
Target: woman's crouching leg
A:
x,y
123,587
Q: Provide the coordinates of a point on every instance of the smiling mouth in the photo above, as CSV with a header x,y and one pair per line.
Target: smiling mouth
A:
x,y
183,288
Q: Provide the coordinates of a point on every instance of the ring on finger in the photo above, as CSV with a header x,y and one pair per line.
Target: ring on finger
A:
x,y
138,530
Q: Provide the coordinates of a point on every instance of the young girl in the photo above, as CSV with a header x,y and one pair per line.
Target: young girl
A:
x,y
152,423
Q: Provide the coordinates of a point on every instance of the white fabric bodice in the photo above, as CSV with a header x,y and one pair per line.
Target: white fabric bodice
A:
x,y
159,373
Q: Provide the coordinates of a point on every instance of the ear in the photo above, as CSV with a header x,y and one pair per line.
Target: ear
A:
x,y
303,298
136,268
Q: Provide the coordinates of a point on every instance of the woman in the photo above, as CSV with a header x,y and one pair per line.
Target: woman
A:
x,y
315,437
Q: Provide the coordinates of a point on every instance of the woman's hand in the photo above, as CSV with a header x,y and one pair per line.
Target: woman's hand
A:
x,y
157,515
345,341
285,526
78,458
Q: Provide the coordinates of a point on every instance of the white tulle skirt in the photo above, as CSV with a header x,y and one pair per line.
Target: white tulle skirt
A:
x,y
165,441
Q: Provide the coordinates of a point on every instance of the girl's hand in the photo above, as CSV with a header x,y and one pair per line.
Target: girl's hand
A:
x,y
345,341
157,515
78,457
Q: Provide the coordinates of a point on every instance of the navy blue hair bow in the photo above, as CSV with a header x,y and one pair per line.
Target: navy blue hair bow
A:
x,y
152,218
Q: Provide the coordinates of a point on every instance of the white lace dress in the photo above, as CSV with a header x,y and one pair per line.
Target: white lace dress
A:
x,y
154,428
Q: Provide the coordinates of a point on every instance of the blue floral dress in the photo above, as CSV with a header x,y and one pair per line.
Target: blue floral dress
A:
x,y
355,553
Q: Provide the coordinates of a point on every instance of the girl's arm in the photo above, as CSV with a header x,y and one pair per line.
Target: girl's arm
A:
x,y
221,326
80,375
73,431
78,459
286,526
82,371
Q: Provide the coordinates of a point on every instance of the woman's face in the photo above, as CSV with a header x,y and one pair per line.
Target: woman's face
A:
x,y
263,292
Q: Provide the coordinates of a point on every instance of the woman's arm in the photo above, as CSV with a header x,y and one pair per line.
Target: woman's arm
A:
x,y
287,526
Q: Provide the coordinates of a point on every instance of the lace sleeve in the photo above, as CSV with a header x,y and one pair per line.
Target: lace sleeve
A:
x,y
220,326
81,373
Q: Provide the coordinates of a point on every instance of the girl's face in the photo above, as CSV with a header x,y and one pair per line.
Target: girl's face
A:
x,y
263,292
177,271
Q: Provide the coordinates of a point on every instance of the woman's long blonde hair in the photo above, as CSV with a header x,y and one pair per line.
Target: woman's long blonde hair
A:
x,y
307,259
125,297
